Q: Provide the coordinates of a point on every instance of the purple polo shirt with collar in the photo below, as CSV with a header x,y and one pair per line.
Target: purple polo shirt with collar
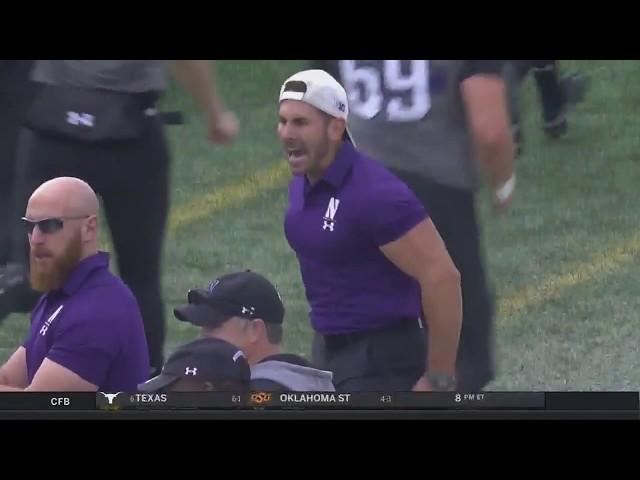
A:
x,y
336,228
93,327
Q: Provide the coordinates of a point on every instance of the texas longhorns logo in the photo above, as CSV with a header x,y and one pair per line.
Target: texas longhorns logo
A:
x,y
111,398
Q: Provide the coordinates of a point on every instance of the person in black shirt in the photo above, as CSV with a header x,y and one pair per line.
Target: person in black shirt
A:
x,y
16,91
556,92
435,124
97,120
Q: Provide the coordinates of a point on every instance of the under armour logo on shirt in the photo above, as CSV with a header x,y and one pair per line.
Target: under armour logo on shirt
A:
x,y
329,216
47,324
191,371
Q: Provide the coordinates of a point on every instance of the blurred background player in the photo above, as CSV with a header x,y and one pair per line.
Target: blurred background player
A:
x,y
557,93
204,365
245,308
97,120
16,91
433,123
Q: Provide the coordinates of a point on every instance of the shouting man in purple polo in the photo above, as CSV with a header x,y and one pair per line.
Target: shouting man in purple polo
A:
x,y
86,330
371,259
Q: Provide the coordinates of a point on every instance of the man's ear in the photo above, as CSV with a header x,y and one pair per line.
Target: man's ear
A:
x,y
337,126
258,329
90,228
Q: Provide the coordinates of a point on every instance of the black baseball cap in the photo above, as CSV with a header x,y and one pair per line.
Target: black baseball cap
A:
x,y
206,359
244,294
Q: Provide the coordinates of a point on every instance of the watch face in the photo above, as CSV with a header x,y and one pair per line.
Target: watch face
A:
x,y
441,381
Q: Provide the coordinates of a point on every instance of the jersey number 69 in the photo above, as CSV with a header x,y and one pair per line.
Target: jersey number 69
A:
x,y
364,85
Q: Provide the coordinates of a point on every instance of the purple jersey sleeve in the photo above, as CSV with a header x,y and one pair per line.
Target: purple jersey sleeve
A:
x,y
32,333
391,212
86,344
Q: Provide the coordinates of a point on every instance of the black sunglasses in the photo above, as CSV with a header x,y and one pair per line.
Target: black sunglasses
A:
x,y
201,297
48,225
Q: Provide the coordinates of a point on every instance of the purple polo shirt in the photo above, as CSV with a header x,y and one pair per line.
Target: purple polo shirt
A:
x,y
336,228
93,327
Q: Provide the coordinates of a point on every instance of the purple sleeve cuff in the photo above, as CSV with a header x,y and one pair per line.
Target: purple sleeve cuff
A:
x,y
89,364
399,227
392,213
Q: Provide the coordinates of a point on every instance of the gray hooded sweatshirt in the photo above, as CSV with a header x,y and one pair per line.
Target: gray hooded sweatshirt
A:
x,y
295,375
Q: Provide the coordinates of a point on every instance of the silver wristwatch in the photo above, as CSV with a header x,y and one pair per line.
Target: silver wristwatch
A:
x,y
441,382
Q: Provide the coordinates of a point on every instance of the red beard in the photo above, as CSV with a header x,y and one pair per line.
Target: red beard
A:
x,y
52,275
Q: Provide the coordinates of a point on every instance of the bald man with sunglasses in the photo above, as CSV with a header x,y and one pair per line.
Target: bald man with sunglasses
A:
x,y
86,330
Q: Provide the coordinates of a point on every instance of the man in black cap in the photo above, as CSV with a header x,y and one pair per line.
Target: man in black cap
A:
x,y
245,309
206,364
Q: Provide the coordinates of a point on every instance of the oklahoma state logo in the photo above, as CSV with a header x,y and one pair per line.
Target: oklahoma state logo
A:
x,y
260,398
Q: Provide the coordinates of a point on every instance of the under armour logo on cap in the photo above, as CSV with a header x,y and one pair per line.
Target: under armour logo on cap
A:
x,y
191,371
237,355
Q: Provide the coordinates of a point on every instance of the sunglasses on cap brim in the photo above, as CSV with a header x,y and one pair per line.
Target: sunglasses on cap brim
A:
x,y
226,306
48,225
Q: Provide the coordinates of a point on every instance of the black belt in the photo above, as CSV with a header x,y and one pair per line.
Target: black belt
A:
x,y
340,340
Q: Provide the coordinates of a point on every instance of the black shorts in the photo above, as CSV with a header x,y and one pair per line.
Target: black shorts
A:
x,y
390,359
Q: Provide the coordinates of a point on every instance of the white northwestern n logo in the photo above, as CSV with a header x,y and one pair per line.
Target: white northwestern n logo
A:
x,y
329,216
332,208
47,324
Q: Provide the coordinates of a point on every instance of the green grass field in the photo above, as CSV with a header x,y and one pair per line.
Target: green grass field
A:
x,y
563,263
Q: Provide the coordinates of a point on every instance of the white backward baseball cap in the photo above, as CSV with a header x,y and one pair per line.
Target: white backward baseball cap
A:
x,y
319,89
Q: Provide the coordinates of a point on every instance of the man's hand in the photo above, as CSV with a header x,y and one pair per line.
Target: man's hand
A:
x,y
198,78
422,385
224,128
